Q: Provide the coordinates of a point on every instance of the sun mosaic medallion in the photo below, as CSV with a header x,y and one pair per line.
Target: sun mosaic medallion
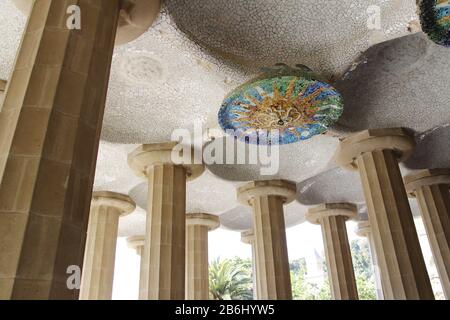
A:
x,y
435,20
285,105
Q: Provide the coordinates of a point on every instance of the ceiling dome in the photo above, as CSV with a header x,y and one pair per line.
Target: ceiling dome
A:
x,y
325,35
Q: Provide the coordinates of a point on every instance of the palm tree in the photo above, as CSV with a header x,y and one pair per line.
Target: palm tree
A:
x,y
230,280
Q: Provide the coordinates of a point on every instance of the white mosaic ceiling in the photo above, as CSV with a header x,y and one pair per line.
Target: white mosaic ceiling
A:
x,y
326,35
11,27
402,82
296,162
179,71
207,194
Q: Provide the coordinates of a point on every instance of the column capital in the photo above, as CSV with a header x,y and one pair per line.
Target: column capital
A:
x,y
134,242
136,17
24,6
282,188
396,139
248,236
147,155
203,219
428,177
113,199
363,228
347,210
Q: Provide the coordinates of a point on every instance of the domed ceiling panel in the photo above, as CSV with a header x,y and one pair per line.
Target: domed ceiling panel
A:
x,y
133,224
296,162
333,186
399,83
112,172
432,149
161,82
240,218
206,194
326,35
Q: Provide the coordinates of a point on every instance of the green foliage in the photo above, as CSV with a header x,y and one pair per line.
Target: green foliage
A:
x,y
302,289
298,266
306,290
231,279
362,264
366,288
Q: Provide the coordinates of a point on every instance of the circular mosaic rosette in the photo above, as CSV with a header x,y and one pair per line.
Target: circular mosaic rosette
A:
x,y
435,20
280,109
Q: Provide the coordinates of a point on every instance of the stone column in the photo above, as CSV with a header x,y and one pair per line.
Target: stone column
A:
x,y
136,17
136,243
197,272
267,199
50,128
248,237
100,253
376,154
363,230
332,217
2,92
431,188
163,260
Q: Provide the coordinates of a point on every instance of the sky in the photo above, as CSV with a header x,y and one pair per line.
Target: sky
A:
x,y
302,240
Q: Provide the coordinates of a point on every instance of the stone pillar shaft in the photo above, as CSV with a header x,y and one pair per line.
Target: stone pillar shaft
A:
x,y
197,272
434,203
339,257
431,188
332,218
163,260
267,199
403,271
100,252
376,153
98,269
50,127
197,277
364,230
248,237
274,281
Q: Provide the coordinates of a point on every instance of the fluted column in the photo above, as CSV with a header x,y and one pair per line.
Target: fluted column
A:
x,y
267,199
163,260
332,217
50,127
137,243
375,153
136,17
431,188
363,230
248,237
197,272
100,252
